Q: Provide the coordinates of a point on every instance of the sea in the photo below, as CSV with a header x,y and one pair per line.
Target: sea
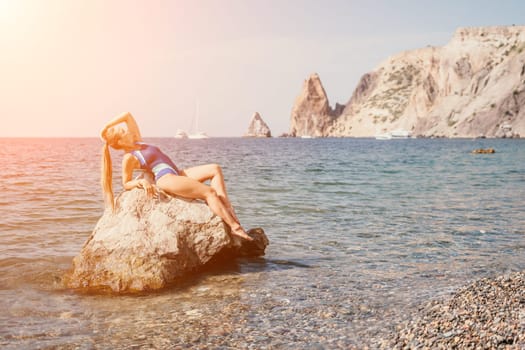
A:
x,y
362,233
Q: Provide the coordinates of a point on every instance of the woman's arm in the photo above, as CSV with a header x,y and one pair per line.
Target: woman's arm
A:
x,y
127,118
128,164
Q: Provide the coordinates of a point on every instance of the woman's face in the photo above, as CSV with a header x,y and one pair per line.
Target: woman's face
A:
x,y
119,138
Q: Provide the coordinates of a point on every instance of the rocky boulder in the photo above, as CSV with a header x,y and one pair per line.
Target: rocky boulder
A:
x,y
257,127
150,243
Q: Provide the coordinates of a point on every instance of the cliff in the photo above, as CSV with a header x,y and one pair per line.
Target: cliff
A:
x,y
257,127
473,86
150,243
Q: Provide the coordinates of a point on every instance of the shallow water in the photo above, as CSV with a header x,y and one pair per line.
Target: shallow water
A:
x,y
361,232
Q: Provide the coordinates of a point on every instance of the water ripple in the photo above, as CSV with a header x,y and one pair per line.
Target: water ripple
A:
x,y
360,231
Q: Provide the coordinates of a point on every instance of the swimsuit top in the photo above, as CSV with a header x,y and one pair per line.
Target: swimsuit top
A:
x,y
150,156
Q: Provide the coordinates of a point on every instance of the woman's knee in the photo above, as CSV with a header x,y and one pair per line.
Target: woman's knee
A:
x,y
210,194
215,169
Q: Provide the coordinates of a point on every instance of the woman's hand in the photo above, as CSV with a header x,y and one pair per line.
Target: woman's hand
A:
x,y
131,124
147,186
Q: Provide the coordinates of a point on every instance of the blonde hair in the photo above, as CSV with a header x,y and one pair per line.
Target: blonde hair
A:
x,y
118,139
106,177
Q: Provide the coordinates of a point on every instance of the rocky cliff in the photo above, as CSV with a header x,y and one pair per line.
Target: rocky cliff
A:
x,y
257,127
473,86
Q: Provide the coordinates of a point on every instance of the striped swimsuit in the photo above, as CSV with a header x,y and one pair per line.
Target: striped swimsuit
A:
x,y
151,158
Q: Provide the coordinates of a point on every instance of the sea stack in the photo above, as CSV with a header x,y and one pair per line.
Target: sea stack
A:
x,y
311,112
257,127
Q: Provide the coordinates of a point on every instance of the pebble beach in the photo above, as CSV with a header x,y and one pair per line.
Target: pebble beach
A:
x,y
486,314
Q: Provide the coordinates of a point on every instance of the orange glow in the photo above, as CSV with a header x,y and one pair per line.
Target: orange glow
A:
x,y
9,10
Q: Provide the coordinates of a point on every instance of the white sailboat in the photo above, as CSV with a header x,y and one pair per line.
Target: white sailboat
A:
x,y
196,134
181,134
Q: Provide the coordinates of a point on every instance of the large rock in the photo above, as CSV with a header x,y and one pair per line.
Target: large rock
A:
x,y
311,113
473,86
257,127
149,243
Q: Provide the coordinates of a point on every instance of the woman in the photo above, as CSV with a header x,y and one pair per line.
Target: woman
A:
x,y
187,183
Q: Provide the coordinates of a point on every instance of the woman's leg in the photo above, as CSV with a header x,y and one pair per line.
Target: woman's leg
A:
x,y
212,172
190,188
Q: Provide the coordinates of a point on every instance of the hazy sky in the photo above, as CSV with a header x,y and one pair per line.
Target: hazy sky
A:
x,y
67,66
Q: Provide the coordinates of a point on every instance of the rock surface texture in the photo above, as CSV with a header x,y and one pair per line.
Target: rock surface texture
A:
x,y
257,127
149,243
473,86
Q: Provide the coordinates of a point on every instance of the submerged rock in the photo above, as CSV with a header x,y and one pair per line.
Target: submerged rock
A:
x,y
484,150
147,244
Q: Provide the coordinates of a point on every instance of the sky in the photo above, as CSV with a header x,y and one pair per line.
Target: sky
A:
x,y
68,66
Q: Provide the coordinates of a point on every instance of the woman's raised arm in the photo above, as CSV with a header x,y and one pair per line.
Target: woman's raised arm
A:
x,y
127,118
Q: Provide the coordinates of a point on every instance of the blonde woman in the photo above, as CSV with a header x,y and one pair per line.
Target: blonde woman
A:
x,y
187,183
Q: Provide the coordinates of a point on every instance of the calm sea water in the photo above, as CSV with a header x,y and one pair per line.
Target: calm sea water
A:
x,y
361,232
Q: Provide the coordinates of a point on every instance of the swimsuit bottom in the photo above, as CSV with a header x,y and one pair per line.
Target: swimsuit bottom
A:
x,y
162,169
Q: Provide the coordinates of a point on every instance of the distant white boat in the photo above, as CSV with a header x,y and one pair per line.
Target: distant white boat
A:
x,y
198,135
385,136
181,134
195,133
394,135
400,134
307,137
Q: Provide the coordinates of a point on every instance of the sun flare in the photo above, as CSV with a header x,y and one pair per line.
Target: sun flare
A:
x,y
5,6
8,10
5,9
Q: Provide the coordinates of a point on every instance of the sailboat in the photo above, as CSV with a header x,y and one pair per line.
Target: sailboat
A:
x,y
196,134
181,134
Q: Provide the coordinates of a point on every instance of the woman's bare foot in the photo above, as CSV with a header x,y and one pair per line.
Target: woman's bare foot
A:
x,y
239,231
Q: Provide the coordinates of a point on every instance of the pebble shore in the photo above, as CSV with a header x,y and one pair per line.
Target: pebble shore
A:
x,y
487,314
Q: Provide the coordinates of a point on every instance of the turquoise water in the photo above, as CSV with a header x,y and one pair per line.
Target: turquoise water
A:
x,y
361,232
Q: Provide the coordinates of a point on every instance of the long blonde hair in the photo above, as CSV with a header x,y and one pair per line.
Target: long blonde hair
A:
x,y
112,138
119,139
106,177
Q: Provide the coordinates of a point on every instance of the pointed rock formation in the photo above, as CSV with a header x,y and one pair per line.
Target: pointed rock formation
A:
x,y
148,244
311,113
257,127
